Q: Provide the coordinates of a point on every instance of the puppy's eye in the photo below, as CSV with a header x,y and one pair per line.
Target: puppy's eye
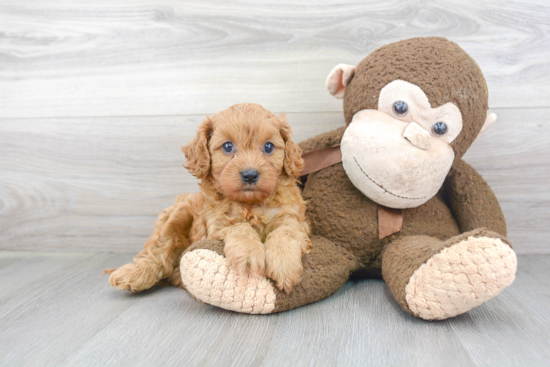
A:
x,y
400,108
269,148
439,128
227,147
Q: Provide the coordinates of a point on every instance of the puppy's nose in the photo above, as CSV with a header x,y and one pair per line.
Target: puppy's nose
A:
x,y
250,176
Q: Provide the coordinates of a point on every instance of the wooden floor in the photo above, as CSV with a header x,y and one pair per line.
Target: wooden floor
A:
x,y
56,310
96,99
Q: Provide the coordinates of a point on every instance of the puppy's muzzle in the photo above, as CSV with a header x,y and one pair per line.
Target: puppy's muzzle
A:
x,y
250,176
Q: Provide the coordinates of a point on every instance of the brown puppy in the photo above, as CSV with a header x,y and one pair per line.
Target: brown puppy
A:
x,y
249,198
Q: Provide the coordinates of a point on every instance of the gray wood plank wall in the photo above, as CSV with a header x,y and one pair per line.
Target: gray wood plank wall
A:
x,y
96,99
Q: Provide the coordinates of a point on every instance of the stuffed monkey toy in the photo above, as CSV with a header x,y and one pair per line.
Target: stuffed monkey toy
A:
x,y
388,194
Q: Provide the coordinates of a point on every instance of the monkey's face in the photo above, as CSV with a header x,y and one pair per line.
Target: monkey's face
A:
x,y
399,154
413,108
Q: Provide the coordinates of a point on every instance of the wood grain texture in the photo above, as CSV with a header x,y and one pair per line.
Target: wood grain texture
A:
x,y
60,311
96,99
99,183
513,157
145,57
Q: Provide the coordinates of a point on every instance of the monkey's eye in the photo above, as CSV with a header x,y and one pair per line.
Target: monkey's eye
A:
x,y
439,128
400,108
227,147
269,147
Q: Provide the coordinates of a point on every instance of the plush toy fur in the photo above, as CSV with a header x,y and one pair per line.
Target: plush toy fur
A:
x,y
445,72
450,254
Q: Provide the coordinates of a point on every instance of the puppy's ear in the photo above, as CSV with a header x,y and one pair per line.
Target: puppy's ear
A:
x,y
196,152
293,164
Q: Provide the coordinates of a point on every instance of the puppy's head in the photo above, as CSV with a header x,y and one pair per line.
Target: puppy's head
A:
x,y
244,151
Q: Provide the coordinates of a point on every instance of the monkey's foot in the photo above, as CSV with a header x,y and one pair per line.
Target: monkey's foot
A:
x,y
207,277
461,277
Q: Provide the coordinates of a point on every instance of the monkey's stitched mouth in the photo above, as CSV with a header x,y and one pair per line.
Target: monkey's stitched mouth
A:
x,y
380,186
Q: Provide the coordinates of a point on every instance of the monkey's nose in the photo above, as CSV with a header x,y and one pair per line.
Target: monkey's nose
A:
x,y
418,137
250,176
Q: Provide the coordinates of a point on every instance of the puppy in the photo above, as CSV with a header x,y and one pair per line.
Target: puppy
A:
x,y
249,198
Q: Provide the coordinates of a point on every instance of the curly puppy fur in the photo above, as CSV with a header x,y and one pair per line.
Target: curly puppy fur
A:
x,y
263,224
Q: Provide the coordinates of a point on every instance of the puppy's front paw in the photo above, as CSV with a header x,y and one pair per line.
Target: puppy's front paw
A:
x,y
247,257
283,266
130,278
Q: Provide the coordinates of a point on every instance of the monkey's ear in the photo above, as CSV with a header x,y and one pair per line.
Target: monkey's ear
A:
x,y
196,152
338,79
489,121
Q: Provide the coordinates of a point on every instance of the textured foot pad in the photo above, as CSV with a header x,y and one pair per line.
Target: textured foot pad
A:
x,y
206,276
460,278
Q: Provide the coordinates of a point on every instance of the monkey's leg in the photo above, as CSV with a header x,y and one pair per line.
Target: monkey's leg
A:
x,y
207,277
162,252
435,280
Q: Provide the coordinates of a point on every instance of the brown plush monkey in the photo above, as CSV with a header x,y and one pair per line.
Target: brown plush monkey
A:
x,y
388,195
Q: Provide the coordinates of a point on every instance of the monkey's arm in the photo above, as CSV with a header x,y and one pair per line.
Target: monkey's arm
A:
x,y
321,141
472,201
